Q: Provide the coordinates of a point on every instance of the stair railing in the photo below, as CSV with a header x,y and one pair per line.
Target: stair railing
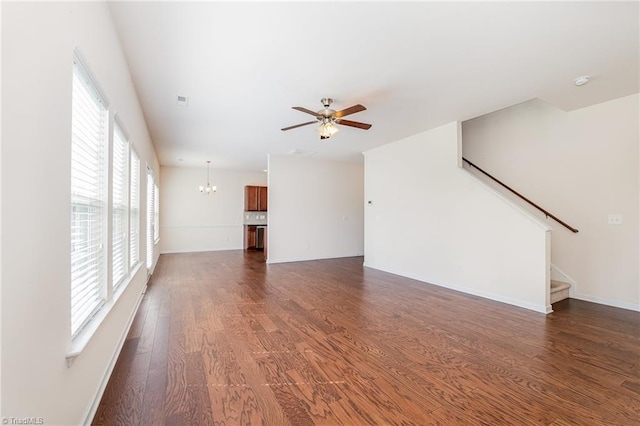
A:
x,y
546,213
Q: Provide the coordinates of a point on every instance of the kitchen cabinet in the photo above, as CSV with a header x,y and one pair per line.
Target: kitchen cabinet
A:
x,y
250,237
255,198
251,198
262,198
255,238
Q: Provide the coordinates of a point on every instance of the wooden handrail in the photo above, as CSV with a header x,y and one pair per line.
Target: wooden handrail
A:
x,y
546,213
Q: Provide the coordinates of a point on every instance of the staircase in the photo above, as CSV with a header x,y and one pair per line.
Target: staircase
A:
x,y
559,291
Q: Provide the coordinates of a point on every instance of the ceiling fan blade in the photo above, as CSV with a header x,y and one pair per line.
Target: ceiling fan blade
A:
x,y
350,123
299,125
308,111
350,110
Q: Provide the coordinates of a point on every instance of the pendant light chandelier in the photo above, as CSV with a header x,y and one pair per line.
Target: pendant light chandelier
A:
x,y
209,188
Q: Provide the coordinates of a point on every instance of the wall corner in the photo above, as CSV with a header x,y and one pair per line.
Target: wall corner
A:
x,y
459,143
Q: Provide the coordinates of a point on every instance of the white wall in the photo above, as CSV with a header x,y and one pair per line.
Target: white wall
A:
x,y
38,41
191,221
1,283
431,220
315,209
581,166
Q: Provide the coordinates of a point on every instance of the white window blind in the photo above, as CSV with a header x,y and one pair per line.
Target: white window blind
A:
x,y
134,225
88,194
120,206
150,217
156,212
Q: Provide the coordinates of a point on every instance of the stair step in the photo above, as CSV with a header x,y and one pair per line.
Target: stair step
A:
x,y
559,291
559,285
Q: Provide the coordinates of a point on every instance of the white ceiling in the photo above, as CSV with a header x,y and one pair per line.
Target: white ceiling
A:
x,y
414,65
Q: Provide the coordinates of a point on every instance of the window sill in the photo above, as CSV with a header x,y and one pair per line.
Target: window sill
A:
x,y
84,337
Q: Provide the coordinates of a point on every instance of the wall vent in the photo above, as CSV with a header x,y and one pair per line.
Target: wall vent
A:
x,y
183,101
301,152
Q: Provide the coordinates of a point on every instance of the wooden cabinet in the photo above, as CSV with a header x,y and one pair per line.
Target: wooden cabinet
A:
x,y
255,237
255,198
255,234
264,249
251,198
262,198
250,237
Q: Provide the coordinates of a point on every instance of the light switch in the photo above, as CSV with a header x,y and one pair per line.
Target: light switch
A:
x,y
614,219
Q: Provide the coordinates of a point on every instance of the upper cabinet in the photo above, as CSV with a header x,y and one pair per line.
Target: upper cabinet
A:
x,y
255,198
251,198
262,198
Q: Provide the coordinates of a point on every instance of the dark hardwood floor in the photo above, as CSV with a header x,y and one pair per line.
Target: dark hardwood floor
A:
x,y
221,338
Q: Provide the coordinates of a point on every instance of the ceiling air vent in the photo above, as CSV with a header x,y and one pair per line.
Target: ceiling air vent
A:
x,y
183,101
301,152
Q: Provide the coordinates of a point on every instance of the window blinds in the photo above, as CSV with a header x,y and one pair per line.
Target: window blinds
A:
x,y
156,212
134,225
88,127
150,217
120,206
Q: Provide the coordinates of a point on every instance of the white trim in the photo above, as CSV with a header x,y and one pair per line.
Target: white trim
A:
x,y
204,226
201,250
91,412
79,57
123,129
306,259
607,302
79,342
484,294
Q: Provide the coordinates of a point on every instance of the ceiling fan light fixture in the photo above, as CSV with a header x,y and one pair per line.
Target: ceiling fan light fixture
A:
x,y
327,128
327,119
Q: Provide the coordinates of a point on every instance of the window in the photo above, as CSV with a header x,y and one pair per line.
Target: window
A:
x,y
156,213
151,216
88,198
120,206
93,213
134,225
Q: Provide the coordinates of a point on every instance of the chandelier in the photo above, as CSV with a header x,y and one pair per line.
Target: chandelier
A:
x,y
208,189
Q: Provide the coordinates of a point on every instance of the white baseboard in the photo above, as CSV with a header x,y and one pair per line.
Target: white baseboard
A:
x,y
306,259
91,412
574,293
608,302
181,251
484,294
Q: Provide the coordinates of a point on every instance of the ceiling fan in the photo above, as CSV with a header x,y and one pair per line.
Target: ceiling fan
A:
x,y
328,118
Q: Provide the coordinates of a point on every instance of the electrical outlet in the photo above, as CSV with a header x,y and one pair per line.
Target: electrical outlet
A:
x,y
614,219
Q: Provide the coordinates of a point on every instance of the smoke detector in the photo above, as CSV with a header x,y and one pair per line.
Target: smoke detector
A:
x,y
581,81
